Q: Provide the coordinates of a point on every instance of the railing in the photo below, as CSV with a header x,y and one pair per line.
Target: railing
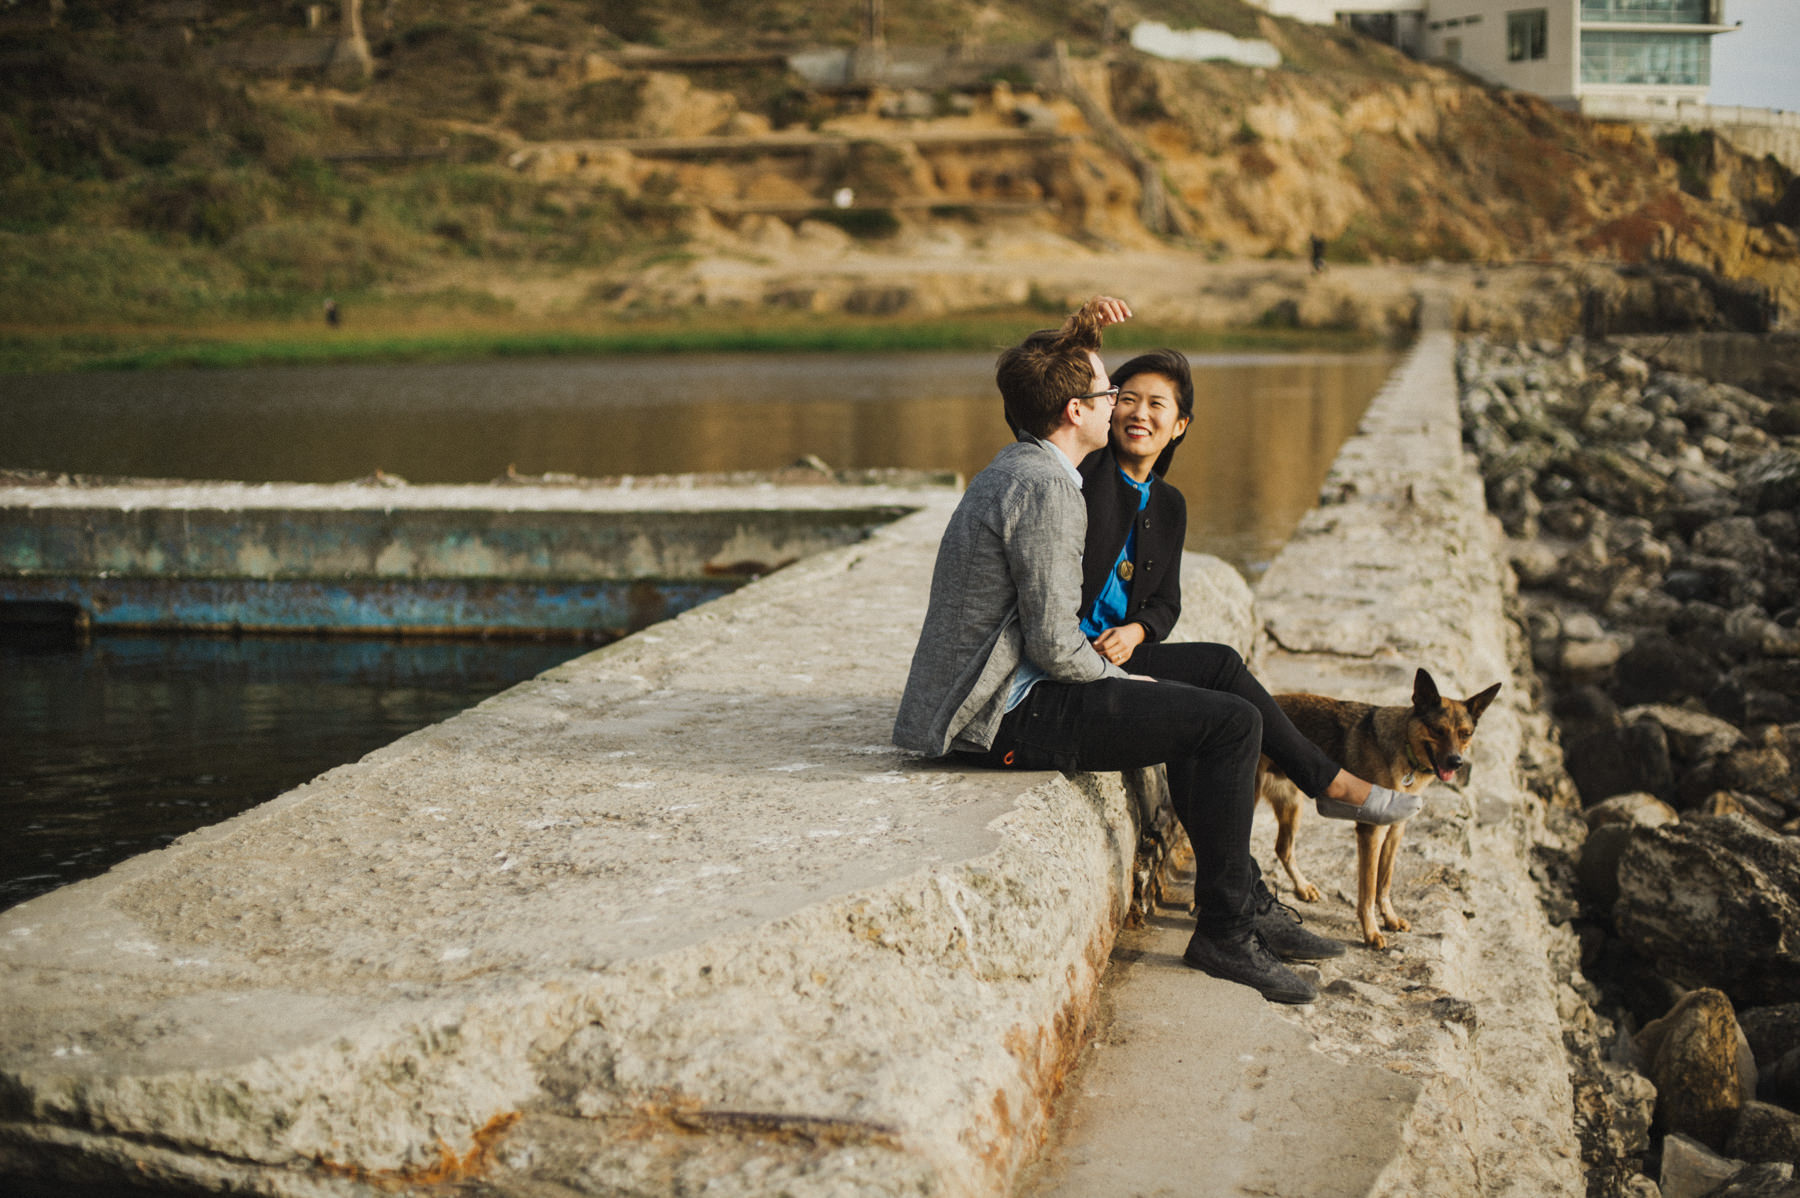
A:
x,y
1649,12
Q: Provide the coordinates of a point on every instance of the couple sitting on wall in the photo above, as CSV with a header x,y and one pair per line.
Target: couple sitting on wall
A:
x,y
1056,581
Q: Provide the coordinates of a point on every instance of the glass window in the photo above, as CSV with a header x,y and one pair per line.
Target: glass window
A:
x,y
1678,59
1659,12
1527,34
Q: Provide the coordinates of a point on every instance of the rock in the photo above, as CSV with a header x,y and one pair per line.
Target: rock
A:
x,y
1591,657
1715,902
1691,1170
1573,519
1772,1032
1657,669
1765,1132
1693,735
1701,1066
1535,563
1736,802
1780,1082
1735,537
1629,369
1615,761
1637,808
1598,865
1772,482
1771,1179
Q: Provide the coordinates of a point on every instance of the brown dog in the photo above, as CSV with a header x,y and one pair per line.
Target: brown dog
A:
x,y
1402,748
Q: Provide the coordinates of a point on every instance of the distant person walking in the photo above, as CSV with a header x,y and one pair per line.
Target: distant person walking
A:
x,y
331,313
1318,253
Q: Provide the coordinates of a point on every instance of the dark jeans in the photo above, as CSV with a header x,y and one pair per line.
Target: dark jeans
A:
x,y
1220,668
1208,727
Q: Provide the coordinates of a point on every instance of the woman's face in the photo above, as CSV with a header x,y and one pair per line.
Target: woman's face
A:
x,y
1146,417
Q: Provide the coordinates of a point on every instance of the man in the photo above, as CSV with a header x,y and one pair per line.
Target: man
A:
x,y
1003,676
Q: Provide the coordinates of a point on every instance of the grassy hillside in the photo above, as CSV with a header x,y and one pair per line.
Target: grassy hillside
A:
x,y
157,168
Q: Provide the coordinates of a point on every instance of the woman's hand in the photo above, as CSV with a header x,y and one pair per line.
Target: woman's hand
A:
x,y
1117,644
1110,310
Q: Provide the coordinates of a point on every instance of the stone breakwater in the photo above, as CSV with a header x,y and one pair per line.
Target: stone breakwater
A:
x,y
1653,531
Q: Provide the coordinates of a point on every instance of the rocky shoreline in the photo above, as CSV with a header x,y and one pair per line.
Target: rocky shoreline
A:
x,y
1652,527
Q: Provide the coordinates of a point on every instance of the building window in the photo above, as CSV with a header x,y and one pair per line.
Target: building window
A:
x,y
1648,12
1453,49
1527,33
1668,59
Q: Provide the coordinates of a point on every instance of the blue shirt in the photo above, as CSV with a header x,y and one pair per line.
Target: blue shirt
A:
x,y
1110,604
1028,675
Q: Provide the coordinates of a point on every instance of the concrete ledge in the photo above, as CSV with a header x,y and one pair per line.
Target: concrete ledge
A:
x,y
1400,569
672,915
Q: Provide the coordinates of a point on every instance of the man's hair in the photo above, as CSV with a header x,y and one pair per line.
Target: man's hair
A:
x,y
1046,370
1174,367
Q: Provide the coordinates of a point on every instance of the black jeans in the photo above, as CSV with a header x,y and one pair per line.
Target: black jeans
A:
x,y
1207,726
1220,668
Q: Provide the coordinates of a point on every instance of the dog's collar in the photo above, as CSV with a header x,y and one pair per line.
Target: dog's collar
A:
x,y
1418,767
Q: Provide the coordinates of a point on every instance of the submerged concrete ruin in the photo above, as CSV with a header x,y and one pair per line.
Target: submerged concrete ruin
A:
x,y
676,915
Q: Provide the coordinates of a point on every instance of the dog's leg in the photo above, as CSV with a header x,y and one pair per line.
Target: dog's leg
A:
x,y
1368,853
1390,849
1284,797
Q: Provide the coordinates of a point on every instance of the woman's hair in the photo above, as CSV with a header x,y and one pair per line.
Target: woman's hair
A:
x,y
1174,367
1045,371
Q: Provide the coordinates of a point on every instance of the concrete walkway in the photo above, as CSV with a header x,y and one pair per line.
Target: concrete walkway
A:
x,y
1435,1067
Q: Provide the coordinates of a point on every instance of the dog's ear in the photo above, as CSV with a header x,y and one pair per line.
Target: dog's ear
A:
x,y
1479,703
1425,691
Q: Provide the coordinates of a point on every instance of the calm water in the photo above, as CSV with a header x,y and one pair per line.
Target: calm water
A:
x,y
1265,429
115,747
110,749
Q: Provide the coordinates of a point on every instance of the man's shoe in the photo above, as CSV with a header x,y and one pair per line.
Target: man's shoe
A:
x,y
1247,961
1279,925
1383,806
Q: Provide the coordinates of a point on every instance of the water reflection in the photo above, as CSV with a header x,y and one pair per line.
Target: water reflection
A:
x,y
115,748
1266,426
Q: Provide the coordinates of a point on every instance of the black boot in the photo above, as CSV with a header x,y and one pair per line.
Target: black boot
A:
x,y
1280,928
1246,960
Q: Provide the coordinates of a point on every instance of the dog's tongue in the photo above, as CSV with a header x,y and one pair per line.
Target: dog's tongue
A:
x,y
1446,775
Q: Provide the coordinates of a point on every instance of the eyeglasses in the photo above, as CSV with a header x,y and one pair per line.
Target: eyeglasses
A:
x,y
1111,395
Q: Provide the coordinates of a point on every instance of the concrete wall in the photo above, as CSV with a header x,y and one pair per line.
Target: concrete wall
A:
x,y
415,559
1754,130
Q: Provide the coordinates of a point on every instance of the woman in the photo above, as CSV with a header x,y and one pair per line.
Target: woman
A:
x,y
1131,598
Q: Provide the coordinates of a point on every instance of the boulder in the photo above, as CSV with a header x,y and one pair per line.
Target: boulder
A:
x,y
1772,481
1780,1082
1735,537
1770,1179
1715,902
1658,669
1638,807
1616,761
1701,1066
1598,865
1691,1170
1772,1031
1693,735
1765,1132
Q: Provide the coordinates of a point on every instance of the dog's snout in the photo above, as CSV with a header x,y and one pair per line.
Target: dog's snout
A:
x,y
1454,761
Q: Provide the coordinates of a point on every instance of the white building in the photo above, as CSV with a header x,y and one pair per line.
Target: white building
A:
x,y
1568,51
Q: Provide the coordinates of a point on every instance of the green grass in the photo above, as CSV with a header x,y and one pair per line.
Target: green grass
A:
x,y
23,350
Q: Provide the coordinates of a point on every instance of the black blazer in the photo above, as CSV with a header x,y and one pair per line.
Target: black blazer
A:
x,y
1155,586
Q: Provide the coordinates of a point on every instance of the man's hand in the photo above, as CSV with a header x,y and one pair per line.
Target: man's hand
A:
x,y
1117,644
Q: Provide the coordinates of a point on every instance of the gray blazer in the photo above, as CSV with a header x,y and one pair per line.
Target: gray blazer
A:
x,y
1006,587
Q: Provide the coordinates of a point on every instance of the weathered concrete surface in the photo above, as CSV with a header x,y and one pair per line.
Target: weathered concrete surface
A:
x,y
674,915
572,558
1436,1067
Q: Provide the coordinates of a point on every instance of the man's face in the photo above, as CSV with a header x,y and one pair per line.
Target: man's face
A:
x,y
1096,422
